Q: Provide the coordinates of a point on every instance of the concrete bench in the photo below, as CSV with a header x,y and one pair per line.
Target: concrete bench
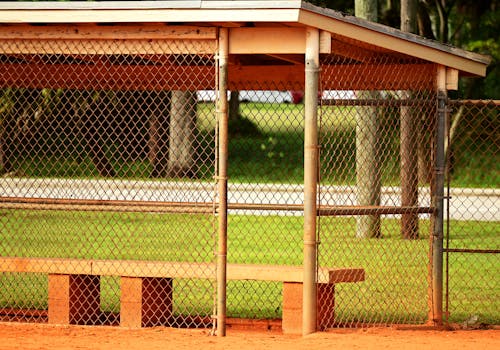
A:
x,y
146,287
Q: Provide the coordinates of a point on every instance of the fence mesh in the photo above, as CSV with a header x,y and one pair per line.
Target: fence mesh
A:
x,y
376,172
473,220
265,171
108,154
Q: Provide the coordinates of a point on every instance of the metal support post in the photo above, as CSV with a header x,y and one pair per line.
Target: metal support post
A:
x,y
222,115
438,200
310,180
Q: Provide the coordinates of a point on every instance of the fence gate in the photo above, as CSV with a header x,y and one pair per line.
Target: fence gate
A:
x,y
472,229
107,154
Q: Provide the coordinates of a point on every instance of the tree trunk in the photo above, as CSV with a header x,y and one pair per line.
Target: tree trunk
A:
x,y
409,16
423,126
158,141
16,128
182,152
367,9
425,130
409,169
234,105
6,142
424,22
367,141
408,135
368,172
93,132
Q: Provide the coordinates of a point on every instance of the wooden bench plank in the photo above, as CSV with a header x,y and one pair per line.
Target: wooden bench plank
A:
x,y
139,268
46,265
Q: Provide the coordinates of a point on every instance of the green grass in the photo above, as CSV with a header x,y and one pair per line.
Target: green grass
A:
x,y
395,289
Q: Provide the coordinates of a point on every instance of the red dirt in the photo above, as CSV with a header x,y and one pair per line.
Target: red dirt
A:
x,y
41,336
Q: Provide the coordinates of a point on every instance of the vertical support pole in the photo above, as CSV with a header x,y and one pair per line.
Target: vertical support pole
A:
x,y
310,180
222,115
438,201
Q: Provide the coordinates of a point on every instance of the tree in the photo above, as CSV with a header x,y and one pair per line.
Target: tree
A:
x,y
158,134
409,138
234,105
368,177
9,111
367,9
182,134
94,131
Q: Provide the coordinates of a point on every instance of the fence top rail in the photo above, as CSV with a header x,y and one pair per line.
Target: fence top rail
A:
x,y
140,268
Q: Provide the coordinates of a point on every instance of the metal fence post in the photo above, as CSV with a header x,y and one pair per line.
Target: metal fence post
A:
x,y
438,201
222,115
310,180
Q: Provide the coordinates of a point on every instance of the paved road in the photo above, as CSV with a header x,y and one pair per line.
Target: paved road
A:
x,y
465,204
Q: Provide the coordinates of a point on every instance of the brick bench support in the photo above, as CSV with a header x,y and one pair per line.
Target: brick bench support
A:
x,y
74,299
145,301
292,307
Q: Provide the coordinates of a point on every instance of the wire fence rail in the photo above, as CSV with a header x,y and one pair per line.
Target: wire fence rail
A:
x,y
114,176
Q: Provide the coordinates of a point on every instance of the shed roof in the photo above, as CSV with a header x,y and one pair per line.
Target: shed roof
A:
x,y
244,13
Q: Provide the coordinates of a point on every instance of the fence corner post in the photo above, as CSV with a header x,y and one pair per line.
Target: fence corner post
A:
x,y
222,115
310,180
438,200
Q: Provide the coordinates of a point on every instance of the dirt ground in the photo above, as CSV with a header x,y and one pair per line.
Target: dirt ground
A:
x,y
42,336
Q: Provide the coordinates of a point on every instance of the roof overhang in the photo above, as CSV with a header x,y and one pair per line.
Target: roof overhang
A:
x,y
286,16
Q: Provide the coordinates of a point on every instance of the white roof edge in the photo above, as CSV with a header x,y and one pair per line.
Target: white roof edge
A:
x,y
144,5
98,5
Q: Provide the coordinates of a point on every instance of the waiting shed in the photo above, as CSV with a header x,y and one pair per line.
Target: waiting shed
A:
x,y
234,45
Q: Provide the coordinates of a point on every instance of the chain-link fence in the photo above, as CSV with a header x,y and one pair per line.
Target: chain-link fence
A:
x,y
265,193
473,223
376,172
108,152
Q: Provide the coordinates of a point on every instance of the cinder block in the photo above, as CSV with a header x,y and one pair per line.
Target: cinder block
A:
x,y
74,299
292,307
59,299
131,302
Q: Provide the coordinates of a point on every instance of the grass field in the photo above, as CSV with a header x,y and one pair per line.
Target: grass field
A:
x,y
395,290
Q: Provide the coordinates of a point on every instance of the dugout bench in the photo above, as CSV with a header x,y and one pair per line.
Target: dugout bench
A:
x,y
146,287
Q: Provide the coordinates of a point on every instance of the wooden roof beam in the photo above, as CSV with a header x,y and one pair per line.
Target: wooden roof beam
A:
x,y
87,31
72,47
140,77
273,40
